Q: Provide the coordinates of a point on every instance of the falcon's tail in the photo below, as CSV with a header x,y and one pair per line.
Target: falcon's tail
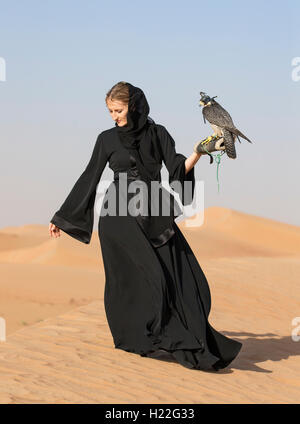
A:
x,y
238,133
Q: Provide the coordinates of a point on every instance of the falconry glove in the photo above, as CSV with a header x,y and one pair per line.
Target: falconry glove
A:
x,y
210,144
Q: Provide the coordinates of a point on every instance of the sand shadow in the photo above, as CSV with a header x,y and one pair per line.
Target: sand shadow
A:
x,y
262,347
256,348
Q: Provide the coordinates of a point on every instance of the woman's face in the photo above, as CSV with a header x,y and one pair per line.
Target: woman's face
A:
x,y
118,111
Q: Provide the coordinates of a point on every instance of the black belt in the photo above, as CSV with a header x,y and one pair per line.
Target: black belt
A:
x,y
126,176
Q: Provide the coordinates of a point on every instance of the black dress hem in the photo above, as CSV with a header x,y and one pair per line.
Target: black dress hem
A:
x,y
193,356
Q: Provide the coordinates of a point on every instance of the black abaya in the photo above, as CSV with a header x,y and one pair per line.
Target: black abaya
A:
x,y
155,297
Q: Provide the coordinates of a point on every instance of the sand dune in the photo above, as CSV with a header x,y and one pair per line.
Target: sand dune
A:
x,y
59,347
242,233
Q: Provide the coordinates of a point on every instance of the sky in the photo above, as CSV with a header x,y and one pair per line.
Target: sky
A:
x,y
63,56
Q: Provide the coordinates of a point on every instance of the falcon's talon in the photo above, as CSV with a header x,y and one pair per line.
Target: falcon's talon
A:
x,y
208,145
210,138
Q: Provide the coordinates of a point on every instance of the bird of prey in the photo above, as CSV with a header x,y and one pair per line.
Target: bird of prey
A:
x,y
221,123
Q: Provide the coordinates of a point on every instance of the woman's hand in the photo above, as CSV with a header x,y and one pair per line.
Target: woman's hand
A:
x,y
54,231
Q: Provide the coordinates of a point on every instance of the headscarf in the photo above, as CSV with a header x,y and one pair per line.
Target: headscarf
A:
x,y
139,126
137,136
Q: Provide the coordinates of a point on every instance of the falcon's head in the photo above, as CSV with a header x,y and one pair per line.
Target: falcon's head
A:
x,y
205,100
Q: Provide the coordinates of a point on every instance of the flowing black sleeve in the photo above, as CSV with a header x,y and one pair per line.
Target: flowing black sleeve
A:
x,y
175,163
76,215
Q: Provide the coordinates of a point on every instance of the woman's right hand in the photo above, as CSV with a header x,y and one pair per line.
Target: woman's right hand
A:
x,y
54,231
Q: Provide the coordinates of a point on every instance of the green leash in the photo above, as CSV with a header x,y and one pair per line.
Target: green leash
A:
x,y
217,158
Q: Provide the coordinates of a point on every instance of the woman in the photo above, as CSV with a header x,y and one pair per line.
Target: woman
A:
x,y
156,294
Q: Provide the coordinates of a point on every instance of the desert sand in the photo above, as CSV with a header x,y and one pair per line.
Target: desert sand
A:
x,y
59,349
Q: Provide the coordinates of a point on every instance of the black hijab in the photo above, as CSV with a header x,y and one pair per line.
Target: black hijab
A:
x,y
139,136
139,127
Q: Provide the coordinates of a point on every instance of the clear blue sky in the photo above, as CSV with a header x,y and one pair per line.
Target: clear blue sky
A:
x,y
63,56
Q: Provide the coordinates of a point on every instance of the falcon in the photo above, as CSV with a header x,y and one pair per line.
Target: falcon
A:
x,y
221,123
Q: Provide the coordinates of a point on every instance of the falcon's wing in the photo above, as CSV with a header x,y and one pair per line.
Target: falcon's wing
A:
x,y
217,115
